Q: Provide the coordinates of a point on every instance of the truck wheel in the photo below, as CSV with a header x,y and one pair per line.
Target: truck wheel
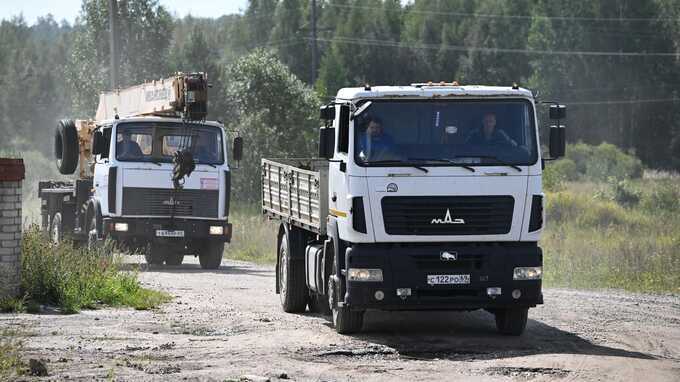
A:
x,y
174,257
292,287
318,303
210,254
56,230
155,254
92,234
511,321
345,320
66,148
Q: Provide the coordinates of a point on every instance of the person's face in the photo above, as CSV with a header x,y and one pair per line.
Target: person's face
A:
x,y
374,129
489,124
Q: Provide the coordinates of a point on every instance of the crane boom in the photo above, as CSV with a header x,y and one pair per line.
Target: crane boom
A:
x,y
184,95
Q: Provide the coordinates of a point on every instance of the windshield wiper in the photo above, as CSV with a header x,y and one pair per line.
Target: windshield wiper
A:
x,y
445,160
392,161
500,161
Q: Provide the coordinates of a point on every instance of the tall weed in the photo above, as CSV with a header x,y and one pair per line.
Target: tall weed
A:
x,y
76,278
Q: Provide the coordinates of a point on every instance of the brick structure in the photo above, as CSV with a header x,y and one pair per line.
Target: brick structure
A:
x,y
11,176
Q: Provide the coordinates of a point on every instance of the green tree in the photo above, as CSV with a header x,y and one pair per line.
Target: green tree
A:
x,y
144,39
275,112
290,37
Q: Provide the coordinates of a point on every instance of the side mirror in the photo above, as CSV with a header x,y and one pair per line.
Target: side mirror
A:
x,y
558,112
327,112
98,143
557,141
326,142
237,150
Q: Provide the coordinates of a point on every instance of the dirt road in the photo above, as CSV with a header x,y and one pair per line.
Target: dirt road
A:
x,y
228,324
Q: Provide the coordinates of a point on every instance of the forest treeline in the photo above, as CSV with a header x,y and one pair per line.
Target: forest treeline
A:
x,y
616,63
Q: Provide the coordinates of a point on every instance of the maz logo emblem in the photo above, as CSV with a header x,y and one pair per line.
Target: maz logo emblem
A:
x,y
171,202
392,187
448,256
447,219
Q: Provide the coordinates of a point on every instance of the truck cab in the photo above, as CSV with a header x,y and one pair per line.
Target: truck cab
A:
x,y
134,189
154,174
434,202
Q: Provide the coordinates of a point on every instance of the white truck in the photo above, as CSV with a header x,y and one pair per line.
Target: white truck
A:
x,y
425,197
153,175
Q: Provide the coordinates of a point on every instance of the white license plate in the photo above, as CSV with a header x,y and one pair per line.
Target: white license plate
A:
x,y
448,279
168,233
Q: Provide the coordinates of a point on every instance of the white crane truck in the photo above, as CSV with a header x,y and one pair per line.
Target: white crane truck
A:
x,y
153,174
425,197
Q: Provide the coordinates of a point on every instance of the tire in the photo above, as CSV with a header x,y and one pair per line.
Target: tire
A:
x,y
511,322
293,290
318,303
155,254
56,229
345,321
174,257
93,240
66,149
210,254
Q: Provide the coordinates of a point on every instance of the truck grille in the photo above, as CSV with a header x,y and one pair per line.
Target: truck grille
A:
x,y
447,215
159,202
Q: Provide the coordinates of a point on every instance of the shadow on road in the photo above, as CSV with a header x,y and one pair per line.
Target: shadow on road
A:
x,y
196,268
472,335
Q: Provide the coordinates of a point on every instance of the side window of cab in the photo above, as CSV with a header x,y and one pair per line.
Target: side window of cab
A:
x,y
106,132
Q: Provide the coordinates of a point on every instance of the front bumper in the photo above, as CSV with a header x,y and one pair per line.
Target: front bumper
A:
x,y
408,265
146,228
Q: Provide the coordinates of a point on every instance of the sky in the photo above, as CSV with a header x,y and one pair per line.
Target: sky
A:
x,y
69,9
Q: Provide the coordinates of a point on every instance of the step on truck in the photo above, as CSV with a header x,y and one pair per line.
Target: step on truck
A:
x,y
150,173
424,197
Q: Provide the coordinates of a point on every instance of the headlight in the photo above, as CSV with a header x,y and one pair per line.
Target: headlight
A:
x,y
120,227
527,273
362,274
216,230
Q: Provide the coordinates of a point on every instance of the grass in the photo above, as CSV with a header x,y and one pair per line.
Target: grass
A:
x,y
73,278
10,360
254,237
597,238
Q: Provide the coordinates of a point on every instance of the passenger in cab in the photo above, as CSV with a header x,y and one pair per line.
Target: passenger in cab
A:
x,y
489,135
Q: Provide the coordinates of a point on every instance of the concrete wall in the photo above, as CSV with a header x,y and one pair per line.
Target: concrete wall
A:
x,y
10,228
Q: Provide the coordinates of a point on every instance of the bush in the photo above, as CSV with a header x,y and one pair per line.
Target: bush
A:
x,y
76,278
664,197
583,210
558,172
623,193
600,162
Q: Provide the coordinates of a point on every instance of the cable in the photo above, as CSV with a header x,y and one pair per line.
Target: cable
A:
x,y
622,102
514,17
462,48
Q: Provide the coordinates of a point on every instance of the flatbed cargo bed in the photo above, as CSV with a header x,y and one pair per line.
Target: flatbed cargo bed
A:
x,y
296,191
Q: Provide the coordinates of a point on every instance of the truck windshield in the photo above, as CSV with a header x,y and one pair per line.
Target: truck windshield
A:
x,y
446,133
158,142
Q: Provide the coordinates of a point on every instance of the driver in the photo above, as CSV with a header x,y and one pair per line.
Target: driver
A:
x,y
205,151
374,142
489,134
128,149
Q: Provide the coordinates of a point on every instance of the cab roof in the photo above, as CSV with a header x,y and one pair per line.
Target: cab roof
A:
x,y
433,90
153,118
